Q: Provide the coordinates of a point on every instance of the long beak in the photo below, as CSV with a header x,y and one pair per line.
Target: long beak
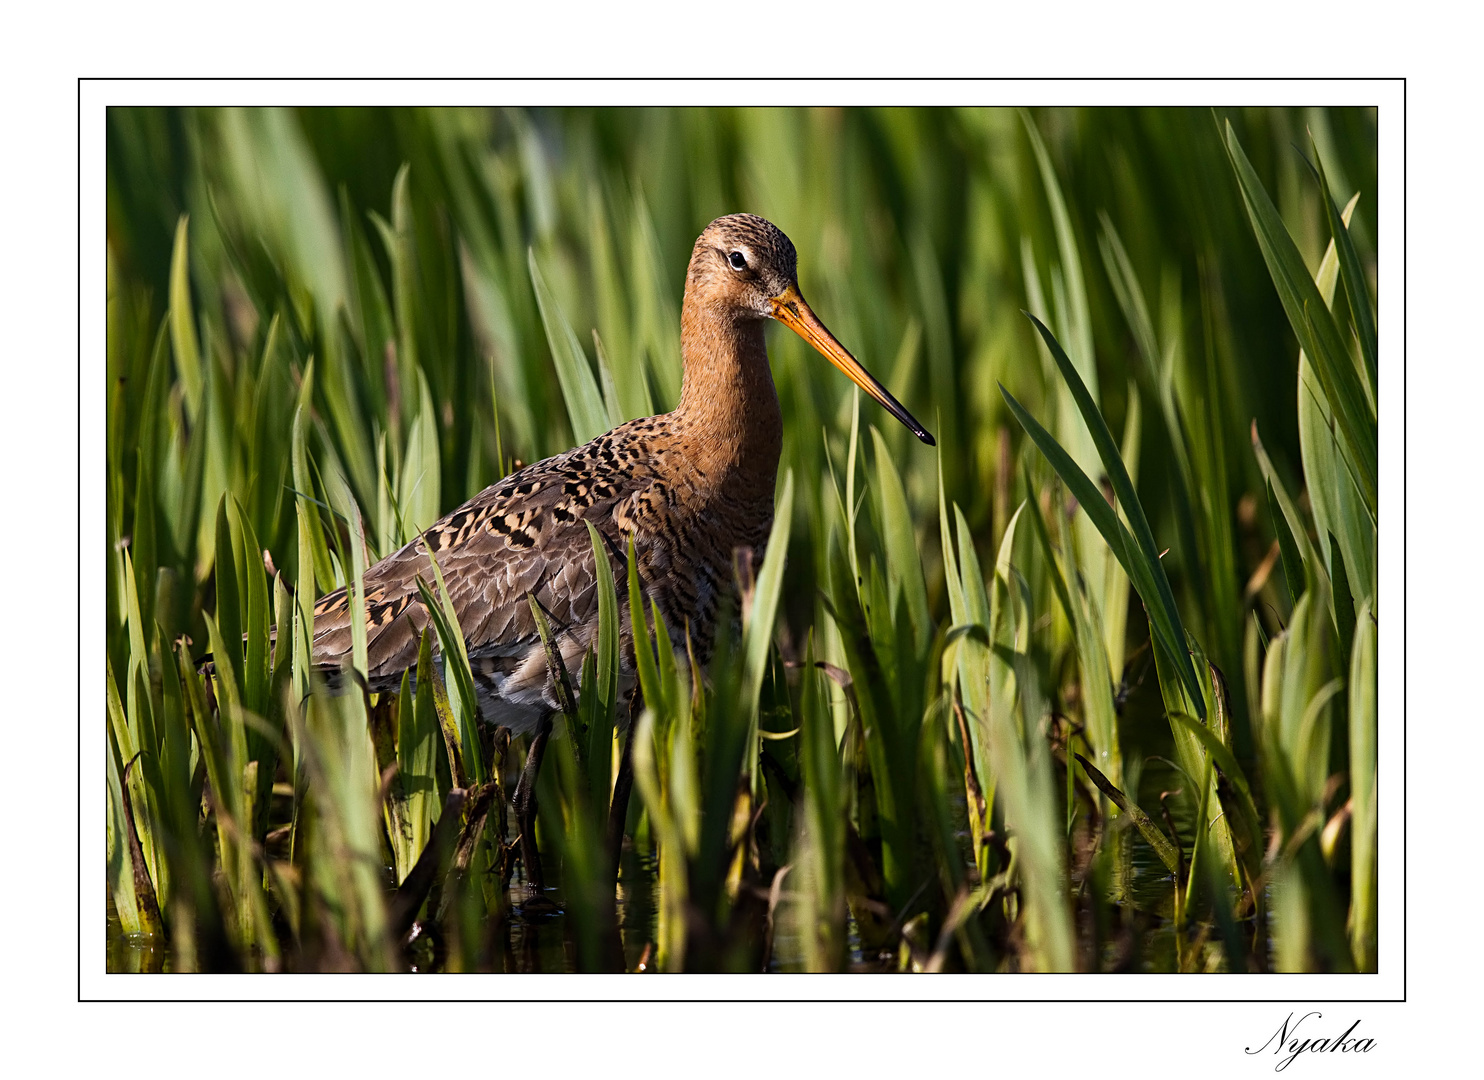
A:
x,y
789,309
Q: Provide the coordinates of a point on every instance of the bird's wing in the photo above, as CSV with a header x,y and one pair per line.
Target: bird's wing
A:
x,y
522,536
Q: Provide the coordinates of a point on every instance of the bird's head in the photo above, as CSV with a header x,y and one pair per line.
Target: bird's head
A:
x,y
746,265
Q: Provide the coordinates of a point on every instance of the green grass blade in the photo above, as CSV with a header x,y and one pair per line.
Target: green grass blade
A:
x,y
417,753
958,609
182,320
223,749
673,688
616,391
608,624
1082,488
585,407
852,453
1018,709
1161,601
757,634
1167,852
405,847
346,862
228,601
368,300
1343,602
1081,611
1112,529
1294,568
649,759
1297,532
1130,296
1225,761
1053,568
398,239
132,910
658,315
1077,320
644,657
1337,504
1112,609
356,588
1313,324
142,546
456,666
598,754
253,593
1356,291
313,533
902,558
1363,713
434,711
419,497
826,817
976,599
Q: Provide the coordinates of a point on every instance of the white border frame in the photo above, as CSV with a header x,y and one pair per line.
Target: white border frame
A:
x,y
1387,95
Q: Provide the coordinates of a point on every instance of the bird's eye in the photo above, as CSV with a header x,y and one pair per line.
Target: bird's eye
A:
x,y
738,261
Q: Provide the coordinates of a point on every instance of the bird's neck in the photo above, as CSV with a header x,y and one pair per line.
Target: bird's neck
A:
x,y
728,414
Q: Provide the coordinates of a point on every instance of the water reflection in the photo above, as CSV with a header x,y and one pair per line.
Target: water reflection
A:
x,y
1132,929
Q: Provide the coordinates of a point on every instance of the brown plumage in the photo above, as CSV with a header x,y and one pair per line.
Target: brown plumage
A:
x,y
689,487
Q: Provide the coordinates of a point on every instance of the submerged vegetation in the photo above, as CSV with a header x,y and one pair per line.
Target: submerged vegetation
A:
x,y
1091,687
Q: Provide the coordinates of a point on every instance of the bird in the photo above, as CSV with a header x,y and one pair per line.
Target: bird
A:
x,y
687,488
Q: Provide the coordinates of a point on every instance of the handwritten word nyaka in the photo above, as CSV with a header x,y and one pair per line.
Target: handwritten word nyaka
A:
x,y
1286,1040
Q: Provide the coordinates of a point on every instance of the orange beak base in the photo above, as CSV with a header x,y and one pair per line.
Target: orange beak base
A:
x,y
790,309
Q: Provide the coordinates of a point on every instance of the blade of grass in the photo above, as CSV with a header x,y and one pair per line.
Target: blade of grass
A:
x,y
585,406
1298,533
902,558
601,710
1363,712
1096,507
1226,762
417,754
182,321
418,495
757,633
1294,568
456,668
1161,602
1167,852
1356,291
1313,324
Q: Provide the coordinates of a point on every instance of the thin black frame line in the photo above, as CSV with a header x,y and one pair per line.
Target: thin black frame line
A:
x,y
1402,79
749,79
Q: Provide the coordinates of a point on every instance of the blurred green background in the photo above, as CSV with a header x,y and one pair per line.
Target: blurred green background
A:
x,y
916,229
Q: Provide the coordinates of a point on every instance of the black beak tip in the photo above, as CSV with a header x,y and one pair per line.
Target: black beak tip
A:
x,y
925,437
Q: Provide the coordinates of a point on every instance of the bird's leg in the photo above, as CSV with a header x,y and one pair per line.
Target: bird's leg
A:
x,y
618,810
525,808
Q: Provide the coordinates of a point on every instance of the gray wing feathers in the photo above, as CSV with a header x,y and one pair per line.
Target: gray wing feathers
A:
x,y
525,535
